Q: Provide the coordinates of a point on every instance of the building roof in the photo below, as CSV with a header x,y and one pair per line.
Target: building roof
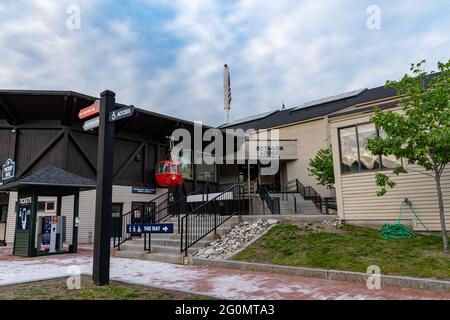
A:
x,y
49,177
313,109
23,106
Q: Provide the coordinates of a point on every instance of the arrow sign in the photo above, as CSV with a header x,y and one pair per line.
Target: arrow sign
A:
x,y
121,113
91,124
89,111
164,228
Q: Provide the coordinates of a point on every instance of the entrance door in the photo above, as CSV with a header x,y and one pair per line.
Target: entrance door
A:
x,y
3,219
116,221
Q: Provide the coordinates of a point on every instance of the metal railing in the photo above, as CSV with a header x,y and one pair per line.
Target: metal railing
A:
x,y
285,196
154,211
308,193
273,203
207,217
140,214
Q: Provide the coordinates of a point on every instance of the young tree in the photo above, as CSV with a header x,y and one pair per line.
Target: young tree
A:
x,y
321,166
420,134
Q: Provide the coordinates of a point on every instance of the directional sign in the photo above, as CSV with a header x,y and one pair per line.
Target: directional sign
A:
x,y
8,170
91,124
150,228
121,113
89,111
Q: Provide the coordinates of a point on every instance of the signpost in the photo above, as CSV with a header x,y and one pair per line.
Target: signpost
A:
x,y
8,170
143,190
103,203
152,228
121,113
91,124
89,111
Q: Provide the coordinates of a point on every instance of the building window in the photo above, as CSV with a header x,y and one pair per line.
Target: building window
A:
x,y
186,164
206,172
50,206
41,206
367,160
349,150
355,157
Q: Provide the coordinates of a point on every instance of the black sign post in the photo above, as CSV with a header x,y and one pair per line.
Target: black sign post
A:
x,y
103,205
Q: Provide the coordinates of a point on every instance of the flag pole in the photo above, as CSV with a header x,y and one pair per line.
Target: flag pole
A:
x,y
226,93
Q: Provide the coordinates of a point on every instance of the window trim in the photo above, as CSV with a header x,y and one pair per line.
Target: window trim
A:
x,y
380,158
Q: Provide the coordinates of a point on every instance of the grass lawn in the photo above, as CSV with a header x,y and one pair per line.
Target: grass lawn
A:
x,y
57,290
349,248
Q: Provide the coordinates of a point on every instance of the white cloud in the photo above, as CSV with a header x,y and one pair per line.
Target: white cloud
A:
x,y
278,50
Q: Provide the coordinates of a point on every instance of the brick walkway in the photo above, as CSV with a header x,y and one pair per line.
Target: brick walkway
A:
x,y
217,282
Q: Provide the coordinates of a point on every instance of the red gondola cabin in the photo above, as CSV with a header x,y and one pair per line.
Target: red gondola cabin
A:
x,y
168,173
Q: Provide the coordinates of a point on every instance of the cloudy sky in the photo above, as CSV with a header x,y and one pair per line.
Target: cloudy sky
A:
x,y
168,56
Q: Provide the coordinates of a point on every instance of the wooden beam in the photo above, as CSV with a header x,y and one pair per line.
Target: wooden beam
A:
x,y
50,144
146,164
65,153
10,115
128,162
83,152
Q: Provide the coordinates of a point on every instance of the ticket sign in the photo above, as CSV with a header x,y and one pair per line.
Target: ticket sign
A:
x,y
90,111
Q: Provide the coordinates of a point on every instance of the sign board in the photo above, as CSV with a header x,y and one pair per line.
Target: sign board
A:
x,y
23,221
164,228
8,170
89,111
121,113
144,190
91,124
46,230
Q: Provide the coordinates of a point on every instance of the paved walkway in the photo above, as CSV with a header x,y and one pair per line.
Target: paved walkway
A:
x,y
217,282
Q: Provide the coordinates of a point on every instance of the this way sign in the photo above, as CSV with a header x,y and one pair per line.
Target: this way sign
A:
x,y
121,113
91,124
150,228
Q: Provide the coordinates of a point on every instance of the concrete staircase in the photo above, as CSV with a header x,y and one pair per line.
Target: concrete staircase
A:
x,y
287,204
167,247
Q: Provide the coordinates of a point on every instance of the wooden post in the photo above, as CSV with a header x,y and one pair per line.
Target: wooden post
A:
x,y
103,206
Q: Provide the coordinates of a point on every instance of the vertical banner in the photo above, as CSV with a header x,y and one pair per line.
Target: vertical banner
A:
x,y
24,215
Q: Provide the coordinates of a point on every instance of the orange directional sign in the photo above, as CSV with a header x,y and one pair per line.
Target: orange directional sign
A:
x,y
90,111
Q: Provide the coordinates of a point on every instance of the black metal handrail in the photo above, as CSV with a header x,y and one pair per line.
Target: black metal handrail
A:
x,y
153,212
145,211
308,193
207,217
273,203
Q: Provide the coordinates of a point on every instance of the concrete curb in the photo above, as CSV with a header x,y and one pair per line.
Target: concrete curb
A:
x,y
397,281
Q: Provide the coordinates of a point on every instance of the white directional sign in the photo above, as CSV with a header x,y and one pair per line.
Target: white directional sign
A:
x,y
91,124
121,113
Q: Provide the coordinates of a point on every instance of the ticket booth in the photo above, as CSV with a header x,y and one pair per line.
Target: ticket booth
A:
x,y
46,232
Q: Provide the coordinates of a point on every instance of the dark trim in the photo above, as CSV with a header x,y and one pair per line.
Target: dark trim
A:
x,y
382,106
48,146
11,116
83,152
129,161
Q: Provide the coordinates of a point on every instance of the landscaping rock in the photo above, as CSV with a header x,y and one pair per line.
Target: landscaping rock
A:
x,y
234,240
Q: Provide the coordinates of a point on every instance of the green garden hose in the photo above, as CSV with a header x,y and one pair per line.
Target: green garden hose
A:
x,y
398,230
